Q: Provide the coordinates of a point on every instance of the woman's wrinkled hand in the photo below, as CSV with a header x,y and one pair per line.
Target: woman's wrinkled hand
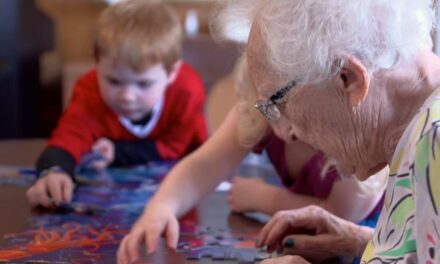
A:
x,y
313,233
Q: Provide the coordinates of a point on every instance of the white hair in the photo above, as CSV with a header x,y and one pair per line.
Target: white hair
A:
x,y
305,38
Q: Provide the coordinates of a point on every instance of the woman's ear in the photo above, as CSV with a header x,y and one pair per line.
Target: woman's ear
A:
x,y
354,80
175,69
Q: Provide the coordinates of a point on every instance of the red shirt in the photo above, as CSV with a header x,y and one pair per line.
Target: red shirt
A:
x,y
180,129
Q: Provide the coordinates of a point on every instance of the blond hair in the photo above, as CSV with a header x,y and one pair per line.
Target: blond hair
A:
x,y
139,33
252,126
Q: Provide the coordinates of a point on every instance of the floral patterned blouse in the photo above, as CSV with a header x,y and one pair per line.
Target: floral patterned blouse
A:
x,y
408,230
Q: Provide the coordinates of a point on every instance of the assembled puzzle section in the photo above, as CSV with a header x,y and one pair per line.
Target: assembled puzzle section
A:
x,y
104,207
89,229
219,244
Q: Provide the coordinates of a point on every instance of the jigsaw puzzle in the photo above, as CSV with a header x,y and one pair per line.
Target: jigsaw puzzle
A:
x,y
104,207
219,244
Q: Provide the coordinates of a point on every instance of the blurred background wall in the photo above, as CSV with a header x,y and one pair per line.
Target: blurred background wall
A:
x,y
25,34
45,45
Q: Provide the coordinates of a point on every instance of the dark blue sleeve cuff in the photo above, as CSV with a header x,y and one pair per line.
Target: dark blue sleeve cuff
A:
x,y
130,153
54,156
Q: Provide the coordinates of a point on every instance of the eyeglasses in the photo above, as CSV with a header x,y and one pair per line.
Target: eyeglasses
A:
x,y
268,108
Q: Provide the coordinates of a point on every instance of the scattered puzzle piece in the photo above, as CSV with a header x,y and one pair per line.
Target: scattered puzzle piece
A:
x,y
227,253
219,244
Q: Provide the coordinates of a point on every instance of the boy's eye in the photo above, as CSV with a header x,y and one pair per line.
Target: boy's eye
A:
x,y
144,84
113,81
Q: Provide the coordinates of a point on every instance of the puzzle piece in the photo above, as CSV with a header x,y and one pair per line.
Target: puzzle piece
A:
x,y
42,261
227,253
219,244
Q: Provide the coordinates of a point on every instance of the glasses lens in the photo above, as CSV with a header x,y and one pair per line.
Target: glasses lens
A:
x,y
269,111
273,113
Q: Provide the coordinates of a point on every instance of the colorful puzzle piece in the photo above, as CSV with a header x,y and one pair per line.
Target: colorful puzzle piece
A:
x,y
219,244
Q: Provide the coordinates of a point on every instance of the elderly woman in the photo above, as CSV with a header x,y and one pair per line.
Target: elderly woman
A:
x,y
358,80
308,178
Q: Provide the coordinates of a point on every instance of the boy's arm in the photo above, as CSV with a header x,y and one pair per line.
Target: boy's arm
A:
x,y
73,136
78,128
55,182
55,156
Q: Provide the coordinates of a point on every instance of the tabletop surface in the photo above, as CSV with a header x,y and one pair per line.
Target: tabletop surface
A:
x,y
17,215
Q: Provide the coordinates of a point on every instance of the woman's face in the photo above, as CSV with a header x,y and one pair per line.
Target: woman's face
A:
x,y
319,115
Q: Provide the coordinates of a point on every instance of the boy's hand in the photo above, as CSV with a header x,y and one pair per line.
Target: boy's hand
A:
x,y
245,194
51,190
107,149
156,220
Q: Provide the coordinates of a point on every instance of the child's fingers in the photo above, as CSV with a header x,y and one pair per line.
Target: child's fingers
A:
x,y
133,243
54,190
103,150
103,146
45,200
38,194
152,237
236,180
231,202
230,198
96,146
172,233
67,191
100,142
122,255
31,196
99,164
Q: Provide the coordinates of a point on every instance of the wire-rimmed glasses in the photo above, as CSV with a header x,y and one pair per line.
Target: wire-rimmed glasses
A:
x,y
268,108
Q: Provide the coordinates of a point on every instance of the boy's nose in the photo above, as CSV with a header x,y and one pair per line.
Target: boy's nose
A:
x,y
127,94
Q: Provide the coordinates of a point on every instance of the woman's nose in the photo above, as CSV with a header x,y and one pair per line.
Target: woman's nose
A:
x,y
292,137
286,135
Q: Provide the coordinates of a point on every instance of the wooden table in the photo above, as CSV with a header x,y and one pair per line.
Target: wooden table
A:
x,y
212,211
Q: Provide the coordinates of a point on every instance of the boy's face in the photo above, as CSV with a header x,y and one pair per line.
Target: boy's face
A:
x,y
129,93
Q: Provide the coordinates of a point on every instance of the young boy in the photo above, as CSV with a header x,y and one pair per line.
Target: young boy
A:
x,y
141,102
